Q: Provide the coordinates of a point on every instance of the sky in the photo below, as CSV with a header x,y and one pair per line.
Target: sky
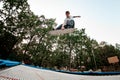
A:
x,y
100,18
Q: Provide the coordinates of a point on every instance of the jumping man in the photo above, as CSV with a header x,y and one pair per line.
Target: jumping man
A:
x,y
68,22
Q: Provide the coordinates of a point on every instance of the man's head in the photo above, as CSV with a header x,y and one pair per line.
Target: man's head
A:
x,y
67,14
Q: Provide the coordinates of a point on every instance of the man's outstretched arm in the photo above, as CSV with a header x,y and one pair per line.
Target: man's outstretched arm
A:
x,y
76,16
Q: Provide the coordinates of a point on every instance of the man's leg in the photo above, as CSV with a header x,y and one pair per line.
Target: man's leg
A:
x,y
59,27
71,24
66,26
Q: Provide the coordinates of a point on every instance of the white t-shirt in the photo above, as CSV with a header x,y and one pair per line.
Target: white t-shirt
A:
x,y
67,19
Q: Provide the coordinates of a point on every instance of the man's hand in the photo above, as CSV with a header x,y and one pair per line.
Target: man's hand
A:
x,y
76,16
79,16
62,28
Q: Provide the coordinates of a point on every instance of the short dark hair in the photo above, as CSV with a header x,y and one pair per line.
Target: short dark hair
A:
x,y
67,12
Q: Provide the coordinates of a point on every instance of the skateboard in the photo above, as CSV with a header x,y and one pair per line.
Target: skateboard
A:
x,y
61,32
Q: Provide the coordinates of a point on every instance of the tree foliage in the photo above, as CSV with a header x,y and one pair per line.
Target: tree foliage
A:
x,y
25,36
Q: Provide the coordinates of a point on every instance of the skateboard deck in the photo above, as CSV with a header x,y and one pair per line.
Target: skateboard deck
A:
x,y
61,32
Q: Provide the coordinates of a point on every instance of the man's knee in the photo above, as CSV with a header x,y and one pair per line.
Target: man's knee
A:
x,y
71,24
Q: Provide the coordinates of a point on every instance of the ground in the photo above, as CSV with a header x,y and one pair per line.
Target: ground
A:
x,y
22,72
